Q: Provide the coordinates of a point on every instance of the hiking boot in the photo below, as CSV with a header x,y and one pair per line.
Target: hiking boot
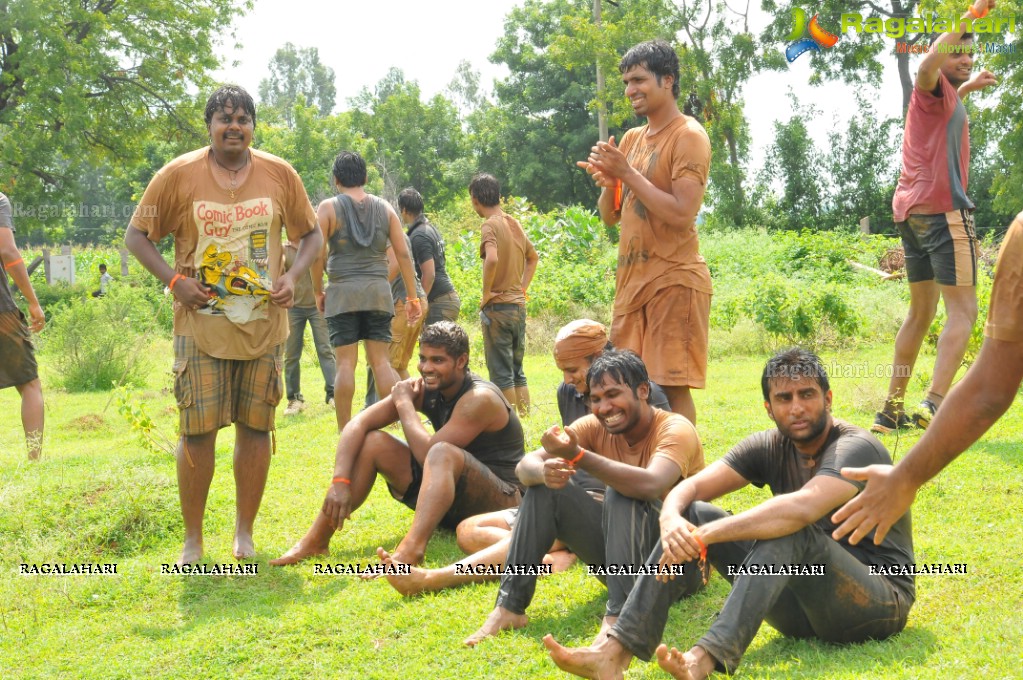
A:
x,y
295,406
885,422
923,414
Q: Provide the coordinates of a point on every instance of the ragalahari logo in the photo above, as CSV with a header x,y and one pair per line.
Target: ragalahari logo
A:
x,y
818,36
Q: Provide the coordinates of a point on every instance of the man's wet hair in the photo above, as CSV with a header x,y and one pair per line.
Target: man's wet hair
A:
x,y
658,57
349,169
795,363
411,201
234,96
447,335
621,365
934,37
485,188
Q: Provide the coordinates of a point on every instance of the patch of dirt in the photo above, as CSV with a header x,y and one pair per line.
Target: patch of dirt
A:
x,y
92,497
88,423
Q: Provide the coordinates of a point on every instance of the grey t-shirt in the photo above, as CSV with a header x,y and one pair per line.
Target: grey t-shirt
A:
x,y
7,303
358,273
398,284
427,244
770,458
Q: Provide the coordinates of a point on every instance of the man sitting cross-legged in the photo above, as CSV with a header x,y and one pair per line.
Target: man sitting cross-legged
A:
x,y
485,538
639,452
466,467
779,556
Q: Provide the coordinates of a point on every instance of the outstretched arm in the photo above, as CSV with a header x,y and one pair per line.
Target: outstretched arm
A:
x,y
971,408
927,75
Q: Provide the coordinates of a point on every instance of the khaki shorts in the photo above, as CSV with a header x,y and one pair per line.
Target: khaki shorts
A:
x,y
213,393
404,336
1005,312
670,334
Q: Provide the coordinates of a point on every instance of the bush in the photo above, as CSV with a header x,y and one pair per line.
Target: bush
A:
x,y
98,342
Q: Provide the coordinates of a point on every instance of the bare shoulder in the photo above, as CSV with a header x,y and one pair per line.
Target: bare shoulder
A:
x,y
484,406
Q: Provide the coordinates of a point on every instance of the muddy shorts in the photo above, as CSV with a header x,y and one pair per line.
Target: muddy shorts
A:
x,y
350,327
213,393
669,333
17,353
940,248
477,491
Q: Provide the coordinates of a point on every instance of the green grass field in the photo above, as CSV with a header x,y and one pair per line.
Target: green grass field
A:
x,y
99,496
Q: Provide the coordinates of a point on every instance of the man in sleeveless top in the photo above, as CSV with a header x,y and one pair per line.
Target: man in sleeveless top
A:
x,y
638,451
226,205
779,557
467,466
653,186
934,216
403,333
509,262
486,538
18,366
356,229
430,259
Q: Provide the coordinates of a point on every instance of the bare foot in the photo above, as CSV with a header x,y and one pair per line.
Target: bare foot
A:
x,y
244,549
674,662
191,552
560,560
605,627
586,662
415,582
499,619
300,551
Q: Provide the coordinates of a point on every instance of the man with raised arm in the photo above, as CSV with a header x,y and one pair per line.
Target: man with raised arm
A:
x,y
974,405
934,216
225,206
652,186
783,565
467,466
638,451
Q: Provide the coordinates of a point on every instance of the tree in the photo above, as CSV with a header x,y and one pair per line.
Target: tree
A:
x,y
419,144
794,159
83,83
297,71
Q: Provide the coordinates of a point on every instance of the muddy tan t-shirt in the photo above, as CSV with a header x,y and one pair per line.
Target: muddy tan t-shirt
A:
x,y
653,255
232,246
512,244
669,436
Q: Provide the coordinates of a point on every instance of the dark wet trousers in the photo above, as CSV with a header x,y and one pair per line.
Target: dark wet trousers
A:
x,y
845,604
623,531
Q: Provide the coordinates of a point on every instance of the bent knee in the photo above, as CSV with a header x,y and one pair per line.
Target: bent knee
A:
x,y
445,454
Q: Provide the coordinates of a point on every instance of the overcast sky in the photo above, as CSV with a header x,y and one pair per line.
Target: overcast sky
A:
x,y
362,40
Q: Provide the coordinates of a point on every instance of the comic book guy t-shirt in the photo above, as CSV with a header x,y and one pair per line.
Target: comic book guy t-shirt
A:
x,y
233,246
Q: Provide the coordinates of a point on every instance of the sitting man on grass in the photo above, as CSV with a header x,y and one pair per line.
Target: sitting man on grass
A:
x,y
466,467
638,451
486,538
779,556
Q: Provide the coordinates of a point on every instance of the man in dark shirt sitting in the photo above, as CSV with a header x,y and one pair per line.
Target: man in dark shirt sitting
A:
x,y
779,556
467,466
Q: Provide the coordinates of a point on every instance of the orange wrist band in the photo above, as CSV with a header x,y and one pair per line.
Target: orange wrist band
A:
x,y
618,196
13,264
343,480
578,456
973,13
170,286
703,546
